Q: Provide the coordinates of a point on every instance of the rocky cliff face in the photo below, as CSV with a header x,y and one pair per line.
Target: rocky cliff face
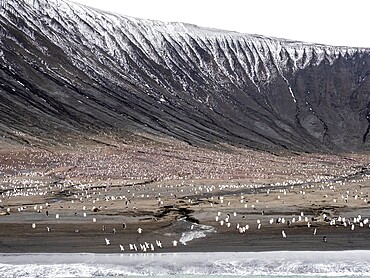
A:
x,y
70,71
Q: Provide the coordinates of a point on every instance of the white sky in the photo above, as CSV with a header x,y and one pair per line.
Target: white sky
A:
x,y
335,22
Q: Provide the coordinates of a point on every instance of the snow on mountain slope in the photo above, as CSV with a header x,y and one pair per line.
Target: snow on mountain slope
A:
x,y
67,67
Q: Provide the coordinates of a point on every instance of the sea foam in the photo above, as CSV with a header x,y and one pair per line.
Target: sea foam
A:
x,y
251,264
196,231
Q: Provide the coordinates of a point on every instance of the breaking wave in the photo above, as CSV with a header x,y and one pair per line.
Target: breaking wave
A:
x,y
277,264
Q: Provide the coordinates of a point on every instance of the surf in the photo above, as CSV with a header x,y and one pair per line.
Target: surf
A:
x,y
246,264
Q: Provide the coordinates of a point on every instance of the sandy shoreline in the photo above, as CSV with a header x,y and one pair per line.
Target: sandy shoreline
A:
x,y
52,203
64,240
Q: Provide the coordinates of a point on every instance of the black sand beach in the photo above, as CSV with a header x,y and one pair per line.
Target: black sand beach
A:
x,y
16,238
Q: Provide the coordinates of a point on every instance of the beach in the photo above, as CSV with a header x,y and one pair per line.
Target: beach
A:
x,y
167,197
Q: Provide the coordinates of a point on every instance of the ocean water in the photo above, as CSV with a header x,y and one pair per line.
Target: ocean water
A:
x,y
189,265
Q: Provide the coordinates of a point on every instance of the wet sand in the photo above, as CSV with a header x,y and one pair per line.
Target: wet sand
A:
x,y
62,239
245,200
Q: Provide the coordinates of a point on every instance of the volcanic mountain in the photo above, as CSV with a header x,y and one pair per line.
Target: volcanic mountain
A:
x,y
69,72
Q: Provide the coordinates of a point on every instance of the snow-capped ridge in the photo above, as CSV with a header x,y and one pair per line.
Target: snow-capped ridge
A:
x,y
116,34
201,84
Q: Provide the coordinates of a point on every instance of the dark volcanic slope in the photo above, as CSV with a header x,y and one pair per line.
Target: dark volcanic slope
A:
x,y
68,70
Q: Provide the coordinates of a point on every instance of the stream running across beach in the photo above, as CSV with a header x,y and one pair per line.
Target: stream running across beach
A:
x,y
189,265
